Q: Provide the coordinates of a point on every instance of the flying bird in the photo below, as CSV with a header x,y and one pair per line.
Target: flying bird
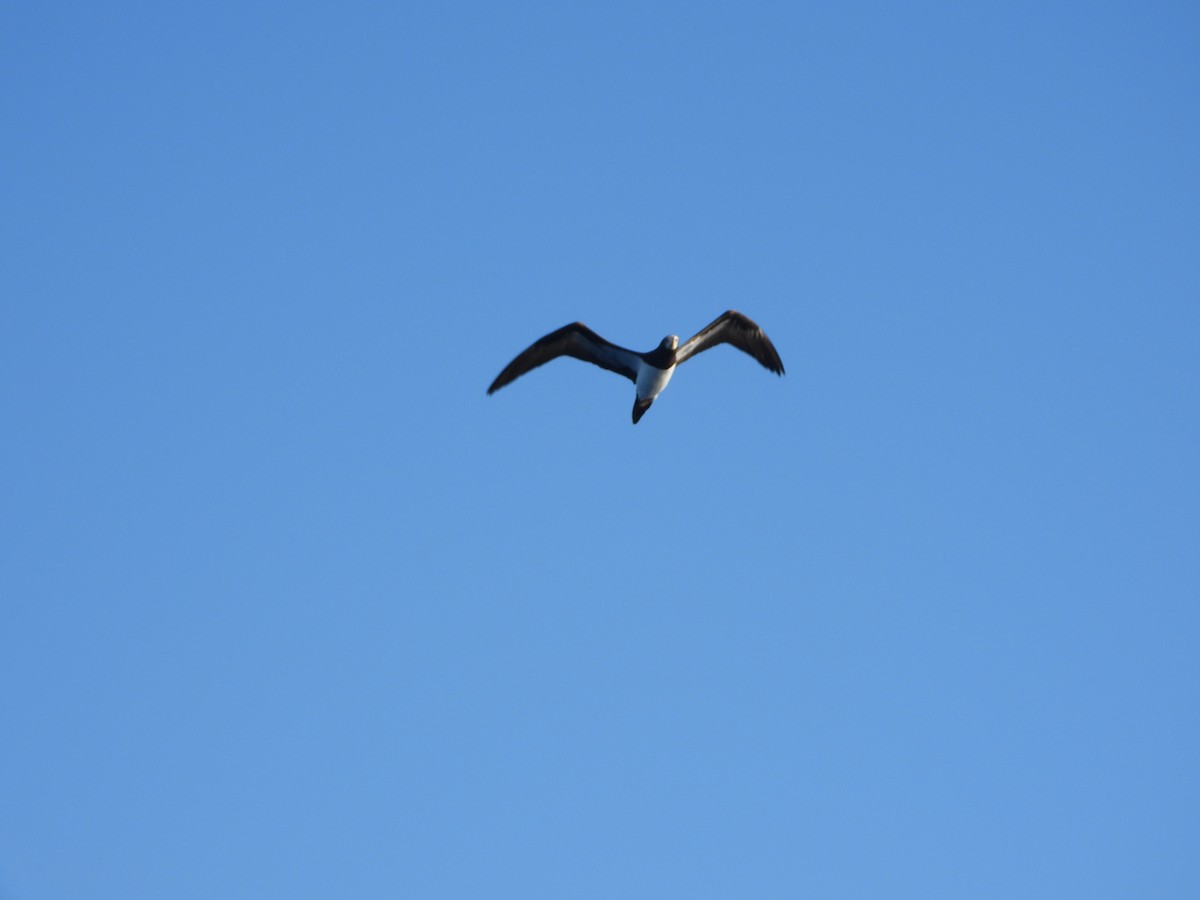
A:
x,y
651,371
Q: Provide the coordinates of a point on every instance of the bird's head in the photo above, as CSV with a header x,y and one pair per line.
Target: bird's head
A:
x,y
670,342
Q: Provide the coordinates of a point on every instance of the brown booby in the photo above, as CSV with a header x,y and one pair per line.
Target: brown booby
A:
x,y
651,371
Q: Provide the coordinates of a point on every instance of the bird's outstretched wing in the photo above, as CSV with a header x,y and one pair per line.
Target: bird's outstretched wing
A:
x,y
733,328
575,340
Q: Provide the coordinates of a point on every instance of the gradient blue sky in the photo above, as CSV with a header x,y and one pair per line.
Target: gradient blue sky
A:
x,y
292,609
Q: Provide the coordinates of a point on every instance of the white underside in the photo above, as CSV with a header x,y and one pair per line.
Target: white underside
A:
x,y
651,381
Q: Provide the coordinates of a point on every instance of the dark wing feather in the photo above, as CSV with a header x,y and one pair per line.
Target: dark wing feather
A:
x,y
575,340
733,328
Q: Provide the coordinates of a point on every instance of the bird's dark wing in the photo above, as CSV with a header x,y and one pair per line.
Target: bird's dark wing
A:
x,y
733,328
575,340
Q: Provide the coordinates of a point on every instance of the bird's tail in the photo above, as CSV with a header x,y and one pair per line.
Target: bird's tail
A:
x,y
639,409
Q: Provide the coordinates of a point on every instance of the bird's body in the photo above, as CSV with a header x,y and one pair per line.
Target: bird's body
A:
x,y
654,371
650,372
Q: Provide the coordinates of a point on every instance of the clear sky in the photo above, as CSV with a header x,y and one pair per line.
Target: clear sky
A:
x,y
291,608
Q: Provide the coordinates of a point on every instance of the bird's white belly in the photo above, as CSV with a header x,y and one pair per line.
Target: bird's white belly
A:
x,y
651,381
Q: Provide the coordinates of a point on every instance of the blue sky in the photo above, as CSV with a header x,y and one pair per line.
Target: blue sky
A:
x,y
292,608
